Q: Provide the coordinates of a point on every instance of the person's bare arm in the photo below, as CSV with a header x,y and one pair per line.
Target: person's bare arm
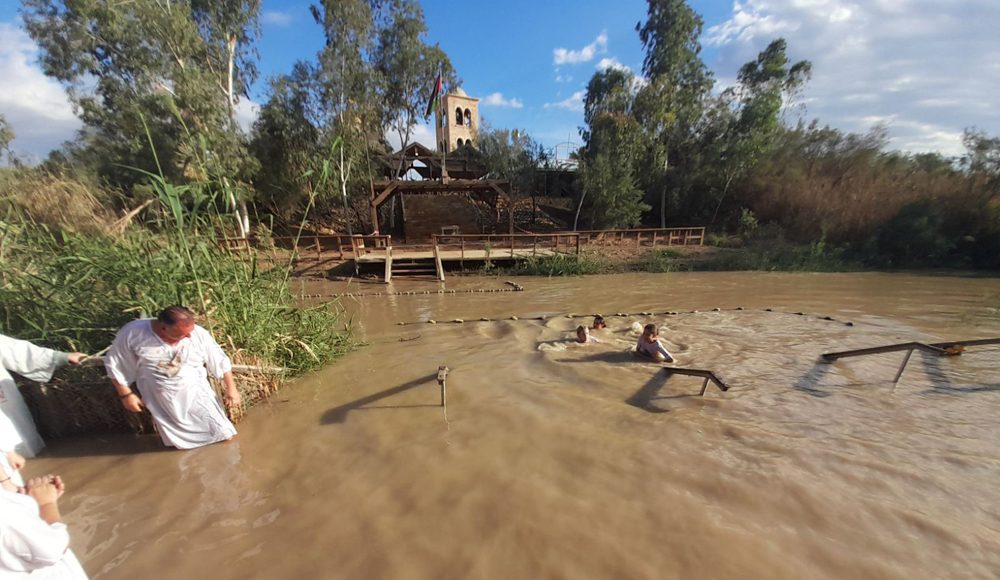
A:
x,y
231,398
130,400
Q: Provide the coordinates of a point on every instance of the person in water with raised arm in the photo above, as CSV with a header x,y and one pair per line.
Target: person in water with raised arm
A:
x,y
649,345
583,335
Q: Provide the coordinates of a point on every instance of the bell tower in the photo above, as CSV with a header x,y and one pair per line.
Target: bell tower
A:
x,y
457,122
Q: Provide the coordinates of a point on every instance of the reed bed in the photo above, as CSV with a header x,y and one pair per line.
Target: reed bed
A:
x,y
71,288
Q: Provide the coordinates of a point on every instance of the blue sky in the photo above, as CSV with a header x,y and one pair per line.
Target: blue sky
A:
x,y
924,68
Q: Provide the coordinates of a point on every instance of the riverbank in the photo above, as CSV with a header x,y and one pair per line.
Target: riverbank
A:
x,y
781,257
762,256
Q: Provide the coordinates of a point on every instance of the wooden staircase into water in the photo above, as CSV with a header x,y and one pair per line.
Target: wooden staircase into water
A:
x,y
413,265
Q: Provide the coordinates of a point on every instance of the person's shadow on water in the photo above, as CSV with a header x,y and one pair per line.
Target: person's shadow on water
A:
x,y
612,356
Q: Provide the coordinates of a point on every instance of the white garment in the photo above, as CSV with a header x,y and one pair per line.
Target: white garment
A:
x,y
651,349
30,547
17,428
173,382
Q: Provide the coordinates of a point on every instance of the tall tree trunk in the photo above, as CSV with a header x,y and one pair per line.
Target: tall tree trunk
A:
x,y
242,215
663,192
579,206
729,179
343,191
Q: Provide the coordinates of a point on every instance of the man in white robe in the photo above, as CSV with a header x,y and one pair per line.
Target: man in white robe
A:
x,y
169,358
18,435
34,543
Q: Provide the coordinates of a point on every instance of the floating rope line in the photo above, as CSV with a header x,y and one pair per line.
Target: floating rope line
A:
x,y
624,315
413,293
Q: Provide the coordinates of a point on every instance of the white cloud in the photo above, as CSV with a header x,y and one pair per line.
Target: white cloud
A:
x,y
497,100
36,107
423,134
585,54
926,68
573,103
612,62
246,113
276,18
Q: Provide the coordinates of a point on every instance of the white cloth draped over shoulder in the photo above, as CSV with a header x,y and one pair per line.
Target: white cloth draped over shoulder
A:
x,y
30,547
17,428
173,382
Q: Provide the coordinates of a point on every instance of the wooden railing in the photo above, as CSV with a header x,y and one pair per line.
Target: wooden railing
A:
x,y
315,246
694,236
509,245
954,348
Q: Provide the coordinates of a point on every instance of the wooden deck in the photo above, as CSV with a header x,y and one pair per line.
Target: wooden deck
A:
x,y
472,255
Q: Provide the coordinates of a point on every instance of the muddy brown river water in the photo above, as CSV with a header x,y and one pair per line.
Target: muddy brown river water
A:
x,y
559,460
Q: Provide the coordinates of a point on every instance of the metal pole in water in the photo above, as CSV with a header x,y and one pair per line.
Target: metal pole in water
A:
x,y
902,367
442,379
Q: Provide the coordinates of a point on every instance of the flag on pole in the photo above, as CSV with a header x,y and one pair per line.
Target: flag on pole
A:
x,y
435,97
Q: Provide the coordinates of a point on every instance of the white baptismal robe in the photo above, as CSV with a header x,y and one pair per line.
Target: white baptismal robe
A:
x,y
30,547
183,404
17,429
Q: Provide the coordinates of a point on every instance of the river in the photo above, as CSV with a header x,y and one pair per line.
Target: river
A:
x,y
560,460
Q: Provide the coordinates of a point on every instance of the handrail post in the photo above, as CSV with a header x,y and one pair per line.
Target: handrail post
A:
x,y
902,367
388,264
577,244
442,379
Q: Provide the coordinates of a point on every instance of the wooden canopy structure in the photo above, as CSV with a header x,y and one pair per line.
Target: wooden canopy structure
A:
x,y
428,164
456,173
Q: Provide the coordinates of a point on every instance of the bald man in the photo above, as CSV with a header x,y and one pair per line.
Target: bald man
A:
x,y
168,359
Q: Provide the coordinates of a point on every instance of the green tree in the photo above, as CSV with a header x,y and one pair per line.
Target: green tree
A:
x,y
6,138
286,141
982,159
670,104
749,134
511,155
347,82
169,69
407,69
614,141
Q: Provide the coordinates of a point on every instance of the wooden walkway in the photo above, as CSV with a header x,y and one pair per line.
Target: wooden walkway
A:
x,y
326,250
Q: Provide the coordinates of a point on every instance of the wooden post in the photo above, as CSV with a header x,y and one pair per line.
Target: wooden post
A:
x,y
512,245
442,379
388,264
577,244
534,246
638,240
437,263
902,367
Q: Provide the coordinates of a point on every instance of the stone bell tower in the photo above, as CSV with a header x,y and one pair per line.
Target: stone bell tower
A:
x,y
457,122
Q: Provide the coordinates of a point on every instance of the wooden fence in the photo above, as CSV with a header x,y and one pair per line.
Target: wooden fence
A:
x,y
694,236
507,245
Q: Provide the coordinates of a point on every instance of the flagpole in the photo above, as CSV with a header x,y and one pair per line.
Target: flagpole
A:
x,y
444,150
